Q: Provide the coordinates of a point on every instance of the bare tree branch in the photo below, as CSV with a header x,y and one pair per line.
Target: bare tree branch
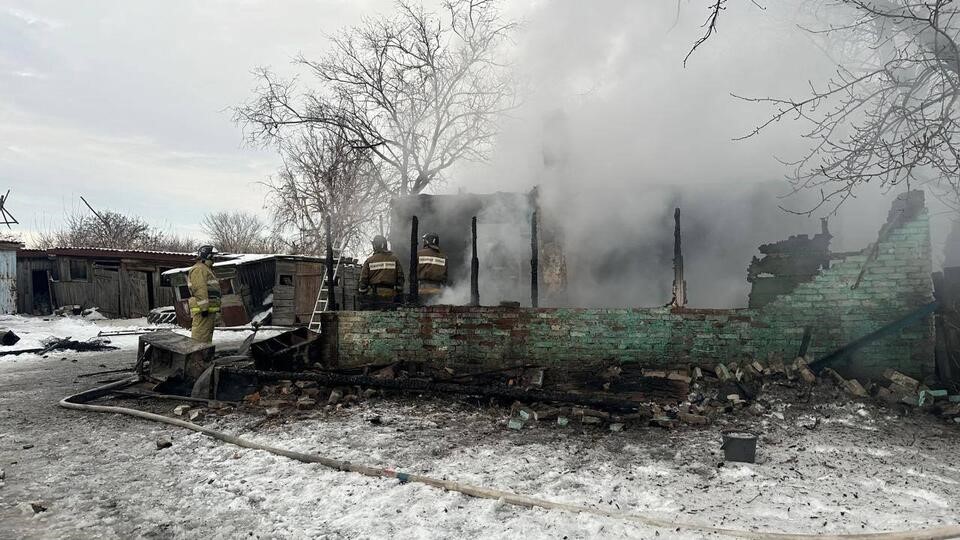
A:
x,y
420,91
890,115
324,175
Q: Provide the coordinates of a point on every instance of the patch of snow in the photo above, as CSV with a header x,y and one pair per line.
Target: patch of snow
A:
x,y
262,316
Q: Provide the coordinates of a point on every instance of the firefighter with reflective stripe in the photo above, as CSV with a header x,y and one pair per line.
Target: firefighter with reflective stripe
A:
x,y
431,269
381,277
204,295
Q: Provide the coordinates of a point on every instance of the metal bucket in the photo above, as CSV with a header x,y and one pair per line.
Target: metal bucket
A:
x,y
739,445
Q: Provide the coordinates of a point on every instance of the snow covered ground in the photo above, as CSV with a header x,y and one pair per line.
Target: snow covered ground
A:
x,y
861,468
34,330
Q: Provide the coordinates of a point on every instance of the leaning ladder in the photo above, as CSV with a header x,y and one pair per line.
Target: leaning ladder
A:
x,y
323,295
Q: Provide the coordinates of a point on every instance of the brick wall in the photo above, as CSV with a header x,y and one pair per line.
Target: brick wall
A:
x,y
492,336
895,282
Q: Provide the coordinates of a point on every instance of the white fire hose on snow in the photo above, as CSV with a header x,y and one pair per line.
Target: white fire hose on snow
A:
x,y
79,402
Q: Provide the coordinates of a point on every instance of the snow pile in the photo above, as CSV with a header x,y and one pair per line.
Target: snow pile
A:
x,y
35,331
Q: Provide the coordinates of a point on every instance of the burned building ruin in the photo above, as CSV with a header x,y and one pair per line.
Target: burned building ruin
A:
x,y
786,264
504,236
836,300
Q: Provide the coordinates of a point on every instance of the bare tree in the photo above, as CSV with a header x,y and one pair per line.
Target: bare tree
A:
x,y
173,243
324,175
419,91
108,229
237,232
890,115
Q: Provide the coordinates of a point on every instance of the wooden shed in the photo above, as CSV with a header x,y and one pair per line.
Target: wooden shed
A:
x,y
8,276
121,283
285,285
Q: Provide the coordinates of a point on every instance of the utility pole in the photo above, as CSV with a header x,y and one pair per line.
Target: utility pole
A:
x,y
102,220
7,217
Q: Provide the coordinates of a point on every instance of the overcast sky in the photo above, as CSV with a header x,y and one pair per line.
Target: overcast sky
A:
x,y
127,102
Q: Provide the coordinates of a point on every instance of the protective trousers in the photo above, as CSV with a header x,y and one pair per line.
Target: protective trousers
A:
x,y
429,293
201,328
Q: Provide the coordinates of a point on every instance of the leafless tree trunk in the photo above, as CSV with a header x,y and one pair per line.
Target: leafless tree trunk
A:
x,y
324,175
419,91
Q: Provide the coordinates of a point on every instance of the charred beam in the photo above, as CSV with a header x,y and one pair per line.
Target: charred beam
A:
x,y
534,262
679,283
414,284
331,278
474,267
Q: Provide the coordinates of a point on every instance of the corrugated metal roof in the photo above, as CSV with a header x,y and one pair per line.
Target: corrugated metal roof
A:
x,y
109,253
118,252
239,259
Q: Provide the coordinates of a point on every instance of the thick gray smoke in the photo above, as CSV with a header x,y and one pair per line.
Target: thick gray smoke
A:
x,y
617,132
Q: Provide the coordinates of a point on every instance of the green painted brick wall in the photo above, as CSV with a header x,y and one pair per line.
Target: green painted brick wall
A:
x,y
896,282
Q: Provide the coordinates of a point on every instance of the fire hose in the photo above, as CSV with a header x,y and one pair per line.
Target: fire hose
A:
x,y
80,402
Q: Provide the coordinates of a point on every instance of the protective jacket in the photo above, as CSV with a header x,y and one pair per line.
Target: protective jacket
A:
x,y
204,289
431,267
381,275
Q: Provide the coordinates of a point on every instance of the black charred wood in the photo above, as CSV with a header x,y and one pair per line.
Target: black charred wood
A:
x,y
534,262
414,284
595,400
331,279
474,267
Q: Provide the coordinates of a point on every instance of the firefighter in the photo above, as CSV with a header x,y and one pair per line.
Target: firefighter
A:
x,y
204,296
431,269
381,278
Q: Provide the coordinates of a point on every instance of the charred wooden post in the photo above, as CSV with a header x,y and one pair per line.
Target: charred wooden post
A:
x,y
414,285
474,267
534,262
679,284
331,269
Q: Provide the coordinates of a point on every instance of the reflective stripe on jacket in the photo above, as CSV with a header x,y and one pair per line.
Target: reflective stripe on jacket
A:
x,y
381,270
432,265
204,289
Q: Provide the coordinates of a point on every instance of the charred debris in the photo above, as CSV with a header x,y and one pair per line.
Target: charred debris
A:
x,y
286,373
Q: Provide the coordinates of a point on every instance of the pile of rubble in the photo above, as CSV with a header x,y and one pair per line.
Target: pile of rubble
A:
x,y
719,394
305,395
281,373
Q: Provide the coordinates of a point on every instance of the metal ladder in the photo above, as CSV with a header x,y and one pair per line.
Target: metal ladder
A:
x,y
323,295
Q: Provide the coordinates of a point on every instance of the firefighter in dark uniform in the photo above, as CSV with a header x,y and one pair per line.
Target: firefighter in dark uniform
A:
x,y
381,278
431,269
